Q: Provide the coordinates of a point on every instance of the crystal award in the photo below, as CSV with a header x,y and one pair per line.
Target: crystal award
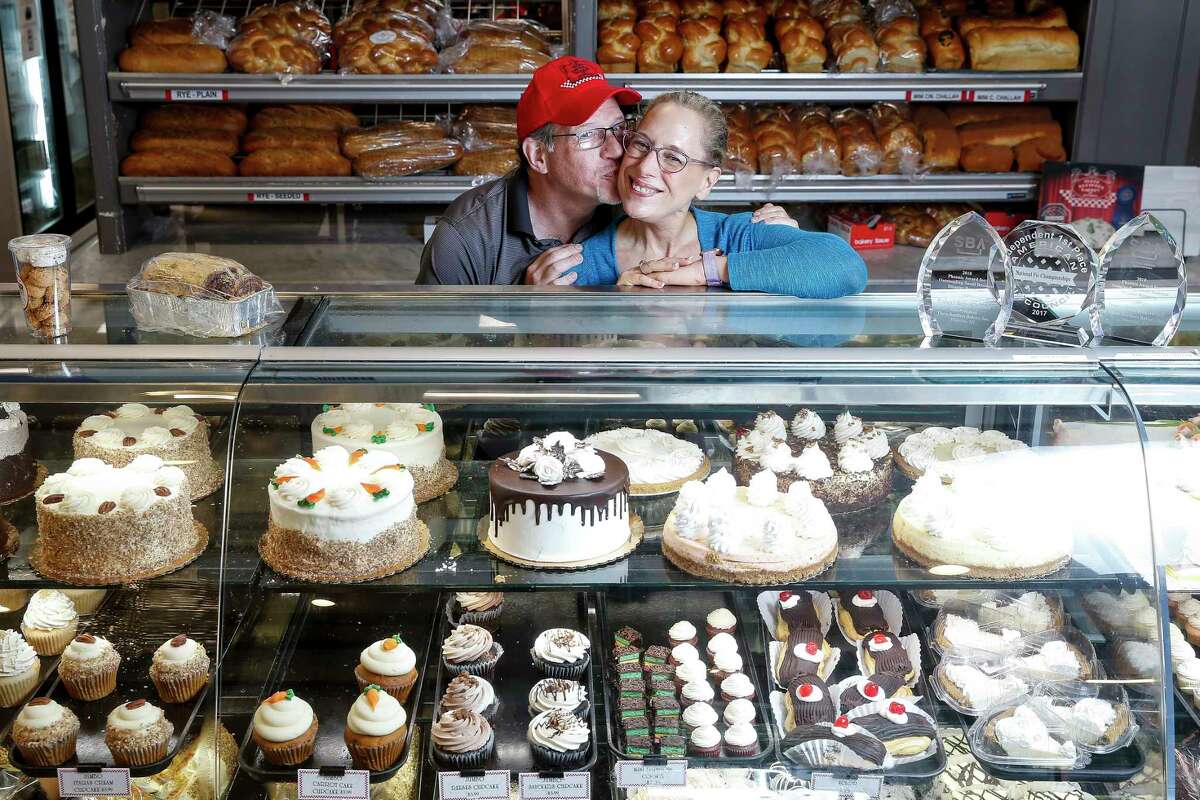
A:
x,y
1053,271
961,282
1140,286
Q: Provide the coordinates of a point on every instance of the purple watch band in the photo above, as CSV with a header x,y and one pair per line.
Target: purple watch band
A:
x,y
711,275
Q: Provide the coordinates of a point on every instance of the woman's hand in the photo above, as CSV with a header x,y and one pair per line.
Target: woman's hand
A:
x,y
660,272
772,214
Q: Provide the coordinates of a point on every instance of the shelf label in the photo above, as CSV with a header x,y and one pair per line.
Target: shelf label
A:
x,y
278,197
550,786
847,786
999,96
353,784
936,95
107,782
632,774
480,784
197,95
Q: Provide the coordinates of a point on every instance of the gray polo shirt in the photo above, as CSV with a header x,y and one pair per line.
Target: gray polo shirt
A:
x,y
486,236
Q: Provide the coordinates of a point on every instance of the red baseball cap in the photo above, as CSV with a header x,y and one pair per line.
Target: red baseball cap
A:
x,y
566,91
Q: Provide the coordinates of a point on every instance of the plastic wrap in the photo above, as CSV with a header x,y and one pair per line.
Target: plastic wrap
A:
x,y
817,141
741,152
485,135
474,57
491,162
861,153
506,115
888,10
509,33
391,134
387,52
898,138
775,138
296,20
260,52
211,28
372,21
901,49
200,295
409,159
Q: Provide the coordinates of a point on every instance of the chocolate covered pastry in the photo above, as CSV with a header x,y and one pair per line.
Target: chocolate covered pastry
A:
x,y
903,731
808,701
804,654
883,652
796,611
859,691
843,732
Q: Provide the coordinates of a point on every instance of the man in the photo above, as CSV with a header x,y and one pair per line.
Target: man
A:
x,y
526,226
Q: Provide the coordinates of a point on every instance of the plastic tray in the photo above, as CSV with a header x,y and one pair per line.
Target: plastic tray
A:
x,y
525,615
653,613
317,656
137,623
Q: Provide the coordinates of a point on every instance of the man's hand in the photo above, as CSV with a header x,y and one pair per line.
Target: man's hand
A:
x,y
687,271
548,268
772,214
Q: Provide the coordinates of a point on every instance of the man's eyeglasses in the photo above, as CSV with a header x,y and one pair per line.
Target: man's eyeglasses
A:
x,y
595,137
670,160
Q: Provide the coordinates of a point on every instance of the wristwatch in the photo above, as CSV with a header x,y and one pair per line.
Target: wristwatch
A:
x,y
711,274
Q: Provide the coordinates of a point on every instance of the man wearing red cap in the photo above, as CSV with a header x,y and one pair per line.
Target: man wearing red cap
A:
x,y
526,226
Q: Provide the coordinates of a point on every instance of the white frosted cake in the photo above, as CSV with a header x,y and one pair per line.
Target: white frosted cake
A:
x,y
342,516
753,535
18,472
935,444
658,462
409,431
177,435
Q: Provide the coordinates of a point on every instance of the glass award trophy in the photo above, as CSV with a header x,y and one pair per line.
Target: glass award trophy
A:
x,y
1053,271
1141,285
961,283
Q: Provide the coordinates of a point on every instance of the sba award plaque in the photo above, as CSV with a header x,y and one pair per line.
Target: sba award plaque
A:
x,y
1141,285
962,282
1053,281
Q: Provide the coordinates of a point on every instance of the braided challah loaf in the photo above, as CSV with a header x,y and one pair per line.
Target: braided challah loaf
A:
x,y
258,51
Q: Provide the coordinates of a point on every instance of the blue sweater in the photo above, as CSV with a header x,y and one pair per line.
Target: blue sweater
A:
x,y
778,259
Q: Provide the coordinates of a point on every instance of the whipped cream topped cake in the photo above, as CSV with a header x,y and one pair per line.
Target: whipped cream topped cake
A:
x,y
176,434
17,468
101,524
410,431
342,515
935,444
559,501
848,466
658,462
751,535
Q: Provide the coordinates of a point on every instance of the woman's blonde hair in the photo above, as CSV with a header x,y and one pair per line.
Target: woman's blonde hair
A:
x,y
716,130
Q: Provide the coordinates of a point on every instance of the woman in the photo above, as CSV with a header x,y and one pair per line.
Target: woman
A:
x,y
673,160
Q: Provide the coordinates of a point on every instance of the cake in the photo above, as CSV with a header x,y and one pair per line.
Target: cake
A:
x,y
966,526
101,524
18,472
1021,733
342,516
177,435
936,445
749,535
558,502
658,462
849,468
409,431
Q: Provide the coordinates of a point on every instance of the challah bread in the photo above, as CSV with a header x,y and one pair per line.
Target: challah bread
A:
x,y
388,52
491,59
817,142
900,48
694,9
741,153
369,22
898,138
259,52
775,139
800,40
703,47
618,45
861,153
747,47
295,20
661,47
854,49
615,9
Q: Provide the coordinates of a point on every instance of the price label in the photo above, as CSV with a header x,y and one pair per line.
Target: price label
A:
x,y
107,782
353,784
566,786
197,95
936,95
999,95
278,197
491,784
847,786
631,774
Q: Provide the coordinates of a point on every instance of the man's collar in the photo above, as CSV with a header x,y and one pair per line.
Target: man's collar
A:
x,y
518,204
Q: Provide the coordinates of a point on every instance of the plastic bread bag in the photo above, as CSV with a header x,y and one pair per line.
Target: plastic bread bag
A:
x,y
410,159
775,138
522,32
485,135
898,137
387,52
861,153
741,152
391,134
297,19
820,150
888,10
485,113
373,21
474,57
901,49
200,295
259,52
209,27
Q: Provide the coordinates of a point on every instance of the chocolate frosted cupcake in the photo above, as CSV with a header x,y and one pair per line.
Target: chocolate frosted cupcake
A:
x,y
462,740
561,653
285,729
469,649
375,729
389,664
558,694
470,693
559,740
477,608
20,669
137,734
45,732
179,669
89,667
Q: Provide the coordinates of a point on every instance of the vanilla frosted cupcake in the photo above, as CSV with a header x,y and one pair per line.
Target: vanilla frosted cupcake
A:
x,y
470,693
138,733
20,669
45,732
50,622
389,664
89,667
179,669
285,729
561,653
558,694
13,599
375,729
86,600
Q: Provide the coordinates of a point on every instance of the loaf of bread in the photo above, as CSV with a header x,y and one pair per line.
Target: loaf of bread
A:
x,y
428,10
660,8
387,52
942,150
898,138
775,138
703,46
494,161
965,113
409,159
861,153
901,49
290,139
1053,18
178,164
295,20
1000,8
747,47
496,58
490,114
695,9
787,9
737,8
615,9
213,140
838,12
986,158
618,45
259,52
934,19
200,58
1033,153
661,47
507,33
294,162
198,275
329,118
178,30
801,41
741,153
1011,49
371,21
817,141
1009,134
390,134
945,50
913,227
174,117
854,49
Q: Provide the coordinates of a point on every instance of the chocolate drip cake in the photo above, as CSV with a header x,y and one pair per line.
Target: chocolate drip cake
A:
x,y
17,468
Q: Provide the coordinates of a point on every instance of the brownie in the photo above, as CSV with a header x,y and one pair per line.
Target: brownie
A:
x,y
672,746
627,637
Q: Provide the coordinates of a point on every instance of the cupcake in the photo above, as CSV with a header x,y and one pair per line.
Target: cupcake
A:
x,y
739,712
696,692
50,622
725,663
682,653
721,643
705,742
389,664
720,620
470,693
179,669
559,740
561,653
86,600
469,649
741,741
699,715
690,672
88,667
737,686
285,729
477,608
558,694
683,632
13,599
137,734
462,740
45,732
375,729
20,669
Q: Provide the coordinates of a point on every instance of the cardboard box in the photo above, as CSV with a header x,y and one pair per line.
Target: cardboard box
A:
x,y
1003,221
862,235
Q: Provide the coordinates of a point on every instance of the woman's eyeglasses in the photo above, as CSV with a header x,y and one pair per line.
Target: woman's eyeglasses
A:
x,y
670,160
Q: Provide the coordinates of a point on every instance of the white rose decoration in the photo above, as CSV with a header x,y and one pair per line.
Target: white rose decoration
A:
x,y
591,465
548,470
